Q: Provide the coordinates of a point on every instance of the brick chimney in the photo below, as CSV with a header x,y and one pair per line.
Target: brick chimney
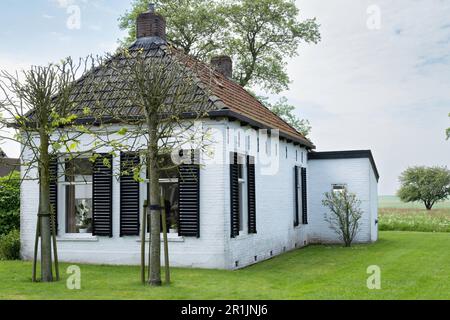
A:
x,y
224,65
151,24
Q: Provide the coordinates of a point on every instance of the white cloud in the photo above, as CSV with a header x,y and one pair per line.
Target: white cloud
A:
x,y
386,90
95,27
68,3
64,3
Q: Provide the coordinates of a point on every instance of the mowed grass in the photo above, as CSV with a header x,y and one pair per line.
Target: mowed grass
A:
x,y
395,215
413,266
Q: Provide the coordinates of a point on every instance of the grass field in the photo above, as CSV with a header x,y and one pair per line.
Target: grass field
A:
x,y
395,215
386,202
413,266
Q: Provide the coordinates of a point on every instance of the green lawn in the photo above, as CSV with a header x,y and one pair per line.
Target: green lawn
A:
x,y
413,266
395,215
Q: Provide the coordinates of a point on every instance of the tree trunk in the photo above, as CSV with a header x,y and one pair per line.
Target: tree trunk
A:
x,y
155,233
154,203
166,244
44,211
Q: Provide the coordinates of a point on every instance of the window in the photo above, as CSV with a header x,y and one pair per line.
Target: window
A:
x,y
239,139
170,193
339,187
297,195
242,192
78,195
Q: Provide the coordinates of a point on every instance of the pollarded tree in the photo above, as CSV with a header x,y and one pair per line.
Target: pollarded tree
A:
x,y
425,184
159,102
345,214
35,106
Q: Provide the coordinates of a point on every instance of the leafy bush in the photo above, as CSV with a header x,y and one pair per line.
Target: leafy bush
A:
x,y
9,203
10,246
9,221
344,214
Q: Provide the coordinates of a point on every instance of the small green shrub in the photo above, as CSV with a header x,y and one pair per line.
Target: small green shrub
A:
x,y
10,246
9,221
9,203
10,192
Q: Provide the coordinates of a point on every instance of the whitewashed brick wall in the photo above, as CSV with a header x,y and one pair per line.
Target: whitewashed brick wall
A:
x,y
206,252
275,207
358,175
215,248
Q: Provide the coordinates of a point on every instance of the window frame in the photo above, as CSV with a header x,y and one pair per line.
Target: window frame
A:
x,y
342,187
63,197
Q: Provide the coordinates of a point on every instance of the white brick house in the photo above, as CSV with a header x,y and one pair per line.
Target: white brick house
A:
x,y
242,213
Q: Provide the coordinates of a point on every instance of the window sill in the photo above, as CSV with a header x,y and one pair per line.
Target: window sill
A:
x,y
171,237
78,237
244,236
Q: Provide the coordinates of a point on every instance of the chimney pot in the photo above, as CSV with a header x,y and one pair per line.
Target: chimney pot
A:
x,y
151,24
224,65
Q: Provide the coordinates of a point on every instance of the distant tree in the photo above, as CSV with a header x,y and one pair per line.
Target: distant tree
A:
x,y
286,111
259,34
448,130
344,215
426,184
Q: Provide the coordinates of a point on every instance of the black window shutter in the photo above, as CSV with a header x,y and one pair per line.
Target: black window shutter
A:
x,y
189,199
102,196
304,197
234,195
297,195
251,194
53,168
129,195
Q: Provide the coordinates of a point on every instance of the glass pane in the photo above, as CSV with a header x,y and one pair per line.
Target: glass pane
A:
x,y
79,196
79,170
169,193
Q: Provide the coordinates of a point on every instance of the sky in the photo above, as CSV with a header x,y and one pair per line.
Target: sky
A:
x,y
378,80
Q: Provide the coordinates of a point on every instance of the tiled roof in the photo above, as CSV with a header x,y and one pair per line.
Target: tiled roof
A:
x,y
239,100
225,94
